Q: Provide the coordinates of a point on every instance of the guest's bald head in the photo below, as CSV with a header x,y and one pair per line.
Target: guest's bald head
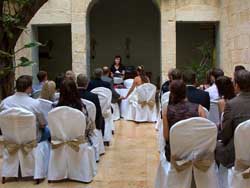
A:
x,y
106,71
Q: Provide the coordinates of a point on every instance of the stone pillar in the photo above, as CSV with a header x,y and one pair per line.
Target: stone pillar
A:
x,y
78,30
168,37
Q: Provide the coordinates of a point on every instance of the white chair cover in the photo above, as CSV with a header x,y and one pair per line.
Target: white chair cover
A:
x,y
95,137
137,112
45,107
128,83
67,124
164,105
19,126
105,96
116,111
214,114
242,152
189,139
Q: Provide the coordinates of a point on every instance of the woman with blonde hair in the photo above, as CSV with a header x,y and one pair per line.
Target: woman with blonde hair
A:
x,y
48,91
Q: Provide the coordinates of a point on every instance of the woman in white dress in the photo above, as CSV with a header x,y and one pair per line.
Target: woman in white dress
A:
x,y
140,79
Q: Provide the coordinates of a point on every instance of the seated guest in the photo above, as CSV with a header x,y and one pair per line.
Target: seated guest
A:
x,y
237,110
212,90
226,91
82,83
106,76
69,96
42,78
179,109
117,69
173,74
195,95
70,74
48,91
238,68
22,99
98,82
58,80
140,79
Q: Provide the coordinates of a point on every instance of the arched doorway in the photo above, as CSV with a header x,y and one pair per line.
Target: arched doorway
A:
x,y
127,28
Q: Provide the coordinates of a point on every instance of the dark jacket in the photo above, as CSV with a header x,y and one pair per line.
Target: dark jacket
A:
x,y
100,83
198,96
236,111
99,120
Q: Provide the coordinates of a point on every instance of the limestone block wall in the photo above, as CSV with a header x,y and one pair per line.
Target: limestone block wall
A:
x,y
235,34
233,16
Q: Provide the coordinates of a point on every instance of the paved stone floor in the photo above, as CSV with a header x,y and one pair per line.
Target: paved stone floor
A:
x,y
130,162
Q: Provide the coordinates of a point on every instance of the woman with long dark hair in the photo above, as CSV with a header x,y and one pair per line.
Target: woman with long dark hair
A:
x,y
226,91
117,69
140,79
69,96
178,109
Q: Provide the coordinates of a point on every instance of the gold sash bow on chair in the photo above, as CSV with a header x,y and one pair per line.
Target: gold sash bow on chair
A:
x,y
202,163
13,147
244,166
74,144
150,103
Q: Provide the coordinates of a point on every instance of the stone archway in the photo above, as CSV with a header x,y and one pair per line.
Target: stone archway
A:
x,y
128,28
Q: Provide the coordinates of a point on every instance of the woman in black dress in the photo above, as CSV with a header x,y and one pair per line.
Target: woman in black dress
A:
x,y
117,69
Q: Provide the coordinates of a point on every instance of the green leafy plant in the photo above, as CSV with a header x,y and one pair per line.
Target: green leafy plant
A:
x,y
14,17
202,66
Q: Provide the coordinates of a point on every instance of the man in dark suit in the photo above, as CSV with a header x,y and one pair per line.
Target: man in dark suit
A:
x,y
237,110
82,83
195,95
173,74
98,82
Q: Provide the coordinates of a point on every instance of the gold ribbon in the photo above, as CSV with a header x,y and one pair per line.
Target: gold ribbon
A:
x,y
74,144
244,166
202,162
13,147
150,103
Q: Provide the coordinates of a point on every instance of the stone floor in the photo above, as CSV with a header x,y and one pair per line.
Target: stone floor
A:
x,y
130,162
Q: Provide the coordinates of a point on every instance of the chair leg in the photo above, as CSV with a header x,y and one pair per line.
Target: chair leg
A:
x,y
3,180
37,181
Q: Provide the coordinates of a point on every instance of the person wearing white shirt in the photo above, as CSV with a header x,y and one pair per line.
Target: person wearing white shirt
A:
x,y
22,99
213,90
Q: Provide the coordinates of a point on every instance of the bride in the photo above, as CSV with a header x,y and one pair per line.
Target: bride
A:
x,y
140,79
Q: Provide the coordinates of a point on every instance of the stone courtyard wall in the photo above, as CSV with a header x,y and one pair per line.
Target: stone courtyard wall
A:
x,y
235,34
233,16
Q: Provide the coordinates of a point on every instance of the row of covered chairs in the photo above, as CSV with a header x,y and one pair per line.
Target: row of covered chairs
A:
x,y
69,155
192,144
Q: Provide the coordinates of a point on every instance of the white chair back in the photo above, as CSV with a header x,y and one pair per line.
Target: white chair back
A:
x,y
242,156
66,123
214,114
242,141
190,139
105,96
165,100
146,92
45,107
18,125
91,109
192,136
